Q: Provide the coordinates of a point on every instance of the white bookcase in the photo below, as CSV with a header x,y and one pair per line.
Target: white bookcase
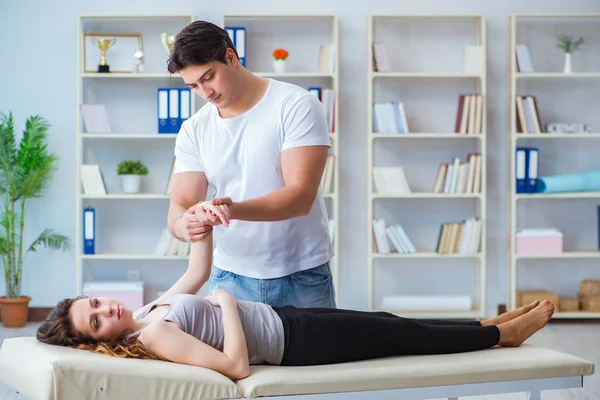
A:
x,y
127,226
563,98
302,35
427,75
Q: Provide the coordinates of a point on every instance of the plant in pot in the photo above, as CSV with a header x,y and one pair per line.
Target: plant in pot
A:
x,y
25,171
280,55
131,175
569,45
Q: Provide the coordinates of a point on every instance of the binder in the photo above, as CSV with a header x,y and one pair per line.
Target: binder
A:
x,y
532,169
173,110
163,110
185,108
89,231
521,169
315,90
237,34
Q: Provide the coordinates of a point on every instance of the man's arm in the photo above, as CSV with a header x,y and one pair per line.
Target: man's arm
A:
x,y
189,188
302,169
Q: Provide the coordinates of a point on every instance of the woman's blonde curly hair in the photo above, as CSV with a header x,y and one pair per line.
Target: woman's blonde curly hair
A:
x,y
58,329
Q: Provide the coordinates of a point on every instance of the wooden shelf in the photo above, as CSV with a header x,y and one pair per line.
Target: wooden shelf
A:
x,y
124,75
590,135
123,196
424,255
424,75
295,74
426,195
576,315
566,254
159,136
550,196
419,135
556,75
130,256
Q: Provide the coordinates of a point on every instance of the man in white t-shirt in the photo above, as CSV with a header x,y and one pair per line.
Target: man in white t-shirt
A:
x,y
261,145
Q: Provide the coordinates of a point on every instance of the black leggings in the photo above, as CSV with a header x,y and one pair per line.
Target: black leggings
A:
x,y
315,336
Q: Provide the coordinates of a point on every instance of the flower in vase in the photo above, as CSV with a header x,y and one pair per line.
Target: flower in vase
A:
x,y
280,54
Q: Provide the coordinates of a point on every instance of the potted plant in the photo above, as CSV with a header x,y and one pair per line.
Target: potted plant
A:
x,y
131,175
280,56
569,45
25,171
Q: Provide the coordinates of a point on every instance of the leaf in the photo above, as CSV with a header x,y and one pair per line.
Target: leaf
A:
x,y
52,240
8,150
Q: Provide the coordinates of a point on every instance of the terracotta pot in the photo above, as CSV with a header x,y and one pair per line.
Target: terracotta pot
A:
x,y
14,311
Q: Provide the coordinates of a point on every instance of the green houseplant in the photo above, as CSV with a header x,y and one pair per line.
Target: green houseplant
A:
x,y
131,175
569,46
25,171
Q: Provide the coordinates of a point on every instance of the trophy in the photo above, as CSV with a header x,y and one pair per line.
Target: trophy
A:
x,y
103,45
167,42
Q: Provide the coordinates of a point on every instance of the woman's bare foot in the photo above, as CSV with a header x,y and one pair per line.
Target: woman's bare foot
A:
x,y
514,333
510,315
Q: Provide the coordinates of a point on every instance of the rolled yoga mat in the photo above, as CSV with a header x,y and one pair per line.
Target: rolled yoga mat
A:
x,y
575,182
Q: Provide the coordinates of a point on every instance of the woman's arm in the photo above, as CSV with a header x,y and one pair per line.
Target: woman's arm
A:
x,y
199,265
169,342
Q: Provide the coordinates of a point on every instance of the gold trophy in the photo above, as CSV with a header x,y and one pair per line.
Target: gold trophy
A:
x,y
167,42
104,45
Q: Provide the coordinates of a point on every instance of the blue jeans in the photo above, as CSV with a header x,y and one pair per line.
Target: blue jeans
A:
x,y
311,288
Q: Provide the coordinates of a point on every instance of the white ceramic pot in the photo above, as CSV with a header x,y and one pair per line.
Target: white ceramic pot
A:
x,y
567,67
279,66
131,183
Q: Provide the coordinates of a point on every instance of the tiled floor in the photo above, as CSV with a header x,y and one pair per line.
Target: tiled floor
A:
x,y
579,339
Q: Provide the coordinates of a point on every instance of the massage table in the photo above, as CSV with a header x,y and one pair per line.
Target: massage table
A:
x,y
44,372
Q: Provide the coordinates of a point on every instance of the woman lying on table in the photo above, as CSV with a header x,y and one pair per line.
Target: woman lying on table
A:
x,y
228,336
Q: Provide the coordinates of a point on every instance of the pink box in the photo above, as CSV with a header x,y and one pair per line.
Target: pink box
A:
x,y
130,293
547,244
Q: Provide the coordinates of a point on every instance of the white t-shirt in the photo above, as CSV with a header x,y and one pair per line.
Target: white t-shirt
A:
x,y
241,158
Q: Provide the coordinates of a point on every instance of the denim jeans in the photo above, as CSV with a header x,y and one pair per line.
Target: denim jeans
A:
x,y
311,288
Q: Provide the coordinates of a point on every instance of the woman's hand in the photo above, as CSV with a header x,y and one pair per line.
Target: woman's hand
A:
x,y
212,214
218,297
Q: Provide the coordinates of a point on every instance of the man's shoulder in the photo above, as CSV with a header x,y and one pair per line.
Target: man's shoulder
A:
x,y
199,119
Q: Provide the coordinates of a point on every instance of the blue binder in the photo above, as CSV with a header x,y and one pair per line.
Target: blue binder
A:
x,y
162,102
89,231
521,169
315,90
174,111
237,34
185,105
532,169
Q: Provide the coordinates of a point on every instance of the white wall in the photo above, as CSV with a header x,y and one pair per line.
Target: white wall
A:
x,y
38,64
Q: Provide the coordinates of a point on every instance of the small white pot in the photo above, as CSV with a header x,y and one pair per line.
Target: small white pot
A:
x,y
131,183
279,66
567,67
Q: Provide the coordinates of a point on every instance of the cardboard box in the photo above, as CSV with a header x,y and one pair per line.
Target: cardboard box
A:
x,y
525,297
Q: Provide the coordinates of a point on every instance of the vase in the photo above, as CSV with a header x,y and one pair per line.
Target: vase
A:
x,y
279,66
131,183
567,67
14,311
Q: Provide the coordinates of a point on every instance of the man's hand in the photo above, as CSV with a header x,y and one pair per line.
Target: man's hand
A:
x,y
190,229
212,214
222,201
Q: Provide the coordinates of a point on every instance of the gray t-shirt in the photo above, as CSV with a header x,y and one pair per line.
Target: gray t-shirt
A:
x,y
262,326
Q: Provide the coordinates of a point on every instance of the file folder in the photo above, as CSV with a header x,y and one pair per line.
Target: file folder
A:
x,y
89,231
163,110
185,108
237,34
173,111
521,169
532,170
315,90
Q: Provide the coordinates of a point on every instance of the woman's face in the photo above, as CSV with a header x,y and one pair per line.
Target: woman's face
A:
x,y
101,318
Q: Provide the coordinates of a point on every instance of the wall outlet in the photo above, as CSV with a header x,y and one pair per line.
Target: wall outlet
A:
x,y
133,274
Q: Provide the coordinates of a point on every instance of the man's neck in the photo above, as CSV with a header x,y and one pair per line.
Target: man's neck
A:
x,y
253,89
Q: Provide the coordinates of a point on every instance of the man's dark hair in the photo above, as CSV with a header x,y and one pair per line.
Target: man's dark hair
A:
x,y
199,43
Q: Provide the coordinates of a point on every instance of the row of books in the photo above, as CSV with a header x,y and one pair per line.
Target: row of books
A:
x,y
389,117
469,116
380,59
391,239
390,180
327,97
528,118
460,237
327,178
459,177
167,245
524,60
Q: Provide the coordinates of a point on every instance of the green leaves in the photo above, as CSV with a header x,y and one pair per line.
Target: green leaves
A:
x,y
567,43
52,240
130,167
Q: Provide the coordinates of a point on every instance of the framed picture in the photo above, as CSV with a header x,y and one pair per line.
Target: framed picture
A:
x,y
119,56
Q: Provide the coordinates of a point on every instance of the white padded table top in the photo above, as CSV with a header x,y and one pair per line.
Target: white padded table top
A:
x,y
43,372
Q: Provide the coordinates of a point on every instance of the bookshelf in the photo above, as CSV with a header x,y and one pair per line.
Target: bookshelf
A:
x,y
127,226
559,99
426,73
302,35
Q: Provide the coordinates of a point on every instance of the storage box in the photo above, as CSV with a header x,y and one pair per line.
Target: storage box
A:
x,y
525,297
542,241
130,293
